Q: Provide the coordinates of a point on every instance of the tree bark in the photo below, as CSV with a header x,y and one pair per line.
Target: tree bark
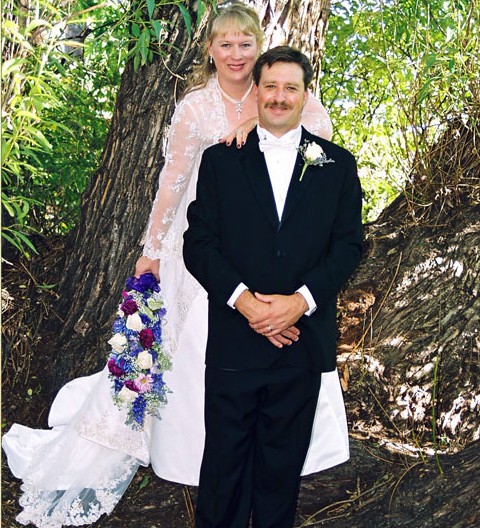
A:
x,y
106,243
376,489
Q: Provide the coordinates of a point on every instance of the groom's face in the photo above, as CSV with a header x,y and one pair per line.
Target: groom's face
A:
x,y
281,96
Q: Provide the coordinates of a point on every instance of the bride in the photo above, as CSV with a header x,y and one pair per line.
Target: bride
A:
x,y
79,469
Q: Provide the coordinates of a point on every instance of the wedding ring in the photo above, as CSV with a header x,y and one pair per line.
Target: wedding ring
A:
x,y
236,131
270,328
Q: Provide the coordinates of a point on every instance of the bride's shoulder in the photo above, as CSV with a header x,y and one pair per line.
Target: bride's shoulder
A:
x,y
200,94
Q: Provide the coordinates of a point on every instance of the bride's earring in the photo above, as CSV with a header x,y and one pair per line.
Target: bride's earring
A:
x,y
211,60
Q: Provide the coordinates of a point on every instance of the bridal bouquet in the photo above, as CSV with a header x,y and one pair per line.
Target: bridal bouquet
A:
x,y
137,361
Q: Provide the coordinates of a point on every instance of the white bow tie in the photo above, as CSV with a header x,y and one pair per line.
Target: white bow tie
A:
x,y
276,143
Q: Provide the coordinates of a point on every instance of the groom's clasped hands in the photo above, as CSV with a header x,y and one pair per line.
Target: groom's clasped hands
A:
x,y
273,316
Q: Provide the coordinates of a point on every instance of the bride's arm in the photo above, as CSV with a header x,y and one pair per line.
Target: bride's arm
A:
x,y
183,146
315,118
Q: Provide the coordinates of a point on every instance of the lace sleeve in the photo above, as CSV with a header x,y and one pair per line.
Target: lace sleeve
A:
x,y
184,146
315,118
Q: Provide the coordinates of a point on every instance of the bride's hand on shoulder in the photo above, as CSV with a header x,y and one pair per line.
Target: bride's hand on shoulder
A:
x,y
145,265
240,134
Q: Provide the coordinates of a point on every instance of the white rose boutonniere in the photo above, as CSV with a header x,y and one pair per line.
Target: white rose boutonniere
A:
x,y
312,154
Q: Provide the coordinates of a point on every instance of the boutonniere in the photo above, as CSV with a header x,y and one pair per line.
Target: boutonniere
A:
x,y
312,154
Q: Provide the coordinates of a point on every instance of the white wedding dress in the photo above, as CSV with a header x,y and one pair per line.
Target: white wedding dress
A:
x,y
79,469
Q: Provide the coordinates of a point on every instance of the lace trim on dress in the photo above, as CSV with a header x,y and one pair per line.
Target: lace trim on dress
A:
x,y
77,505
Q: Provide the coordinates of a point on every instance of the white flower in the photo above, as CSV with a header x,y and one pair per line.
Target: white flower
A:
x,y
134,322
313,152
145,360
118,342
126,395
120,313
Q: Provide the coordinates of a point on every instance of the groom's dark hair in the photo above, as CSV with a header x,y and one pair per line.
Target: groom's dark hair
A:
x,y
283,54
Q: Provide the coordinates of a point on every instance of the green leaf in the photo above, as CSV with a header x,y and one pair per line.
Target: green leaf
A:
x,y
431,60
150,8
135,30
36,24
157,28
6,203
142,45
47,286
27,113
14,243
187,18
26,241
5,149
144,483
201,8
12,65
42,139
136,61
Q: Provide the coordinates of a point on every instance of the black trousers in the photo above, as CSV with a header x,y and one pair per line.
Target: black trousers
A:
x,y
258,426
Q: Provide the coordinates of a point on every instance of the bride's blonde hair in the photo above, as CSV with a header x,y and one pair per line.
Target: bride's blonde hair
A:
x,y
230,16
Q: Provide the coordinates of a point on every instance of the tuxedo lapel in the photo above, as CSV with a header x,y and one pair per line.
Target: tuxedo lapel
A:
x,y
297,188
257,173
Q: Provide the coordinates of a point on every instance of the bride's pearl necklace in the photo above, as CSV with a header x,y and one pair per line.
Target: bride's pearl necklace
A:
x,y
238,103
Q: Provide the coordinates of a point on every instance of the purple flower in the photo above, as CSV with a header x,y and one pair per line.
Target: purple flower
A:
x,y
146,282
115,369
130,384
129,307
146,338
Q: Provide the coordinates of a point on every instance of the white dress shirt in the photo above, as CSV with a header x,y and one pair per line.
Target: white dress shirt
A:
x,y
280,156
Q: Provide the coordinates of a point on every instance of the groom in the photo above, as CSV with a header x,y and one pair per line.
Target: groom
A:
x,y
272,244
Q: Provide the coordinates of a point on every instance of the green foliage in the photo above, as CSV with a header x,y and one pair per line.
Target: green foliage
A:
x,y
397,73
58,96
53,124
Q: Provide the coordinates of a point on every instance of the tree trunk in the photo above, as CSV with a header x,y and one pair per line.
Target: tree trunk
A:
x,y
411,316
106,243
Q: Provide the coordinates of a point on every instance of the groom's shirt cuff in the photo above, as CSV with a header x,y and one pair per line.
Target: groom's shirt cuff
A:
x,y
236,294
312,306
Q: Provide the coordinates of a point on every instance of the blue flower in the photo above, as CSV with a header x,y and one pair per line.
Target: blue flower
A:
x,y
134,345
138,409
144,283
145,319
119,325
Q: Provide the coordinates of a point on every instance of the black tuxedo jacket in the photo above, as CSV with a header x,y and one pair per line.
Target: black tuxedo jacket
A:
x,y
235,236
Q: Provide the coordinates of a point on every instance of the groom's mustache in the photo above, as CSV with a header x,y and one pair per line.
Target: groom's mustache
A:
x,y
278,106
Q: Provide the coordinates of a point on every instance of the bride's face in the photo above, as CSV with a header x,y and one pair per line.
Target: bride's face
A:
x,y
234,55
